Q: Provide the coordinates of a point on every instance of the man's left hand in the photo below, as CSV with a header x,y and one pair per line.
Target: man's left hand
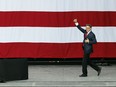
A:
x,y
87,40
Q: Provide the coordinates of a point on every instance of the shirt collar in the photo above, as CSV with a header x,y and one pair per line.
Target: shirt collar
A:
x,y
88,32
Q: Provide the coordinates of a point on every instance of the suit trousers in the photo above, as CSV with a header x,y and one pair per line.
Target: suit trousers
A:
x,y
87,61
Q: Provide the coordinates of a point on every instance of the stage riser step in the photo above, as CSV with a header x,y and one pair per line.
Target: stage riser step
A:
x,y
58,84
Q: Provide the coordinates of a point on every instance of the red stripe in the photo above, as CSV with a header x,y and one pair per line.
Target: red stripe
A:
x,y
57,19
54,50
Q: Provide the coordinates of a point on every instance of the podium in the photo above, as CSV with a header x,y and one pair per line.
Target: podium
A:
x,y
13,69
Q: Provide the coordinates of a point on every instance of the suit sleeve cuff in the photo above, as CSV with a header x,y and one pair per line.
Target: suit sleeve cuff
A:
x,y
77,24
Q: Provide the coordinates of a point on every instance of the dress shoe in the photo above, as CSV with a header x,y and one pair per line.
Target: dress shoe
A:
x,y
99,71
82,75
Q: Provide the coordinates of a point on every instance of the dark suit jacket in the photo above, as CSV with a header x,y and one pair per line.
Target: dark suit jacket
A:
x,y
88,47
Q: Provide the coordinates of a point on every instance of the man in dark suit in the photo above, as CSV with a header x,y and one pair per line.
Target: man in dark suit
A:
x,y
89,40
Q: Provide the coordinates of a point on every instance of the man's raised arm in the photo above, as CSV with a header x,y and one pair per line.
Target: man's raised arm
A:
x,y
78,26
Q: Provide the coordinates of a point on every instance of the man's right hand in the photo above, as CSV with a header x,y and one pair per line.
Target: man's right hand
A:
x,y
75,21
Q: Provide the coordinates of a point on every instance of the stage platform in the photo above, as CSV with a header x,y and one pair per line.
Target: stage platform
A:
x,y
65,76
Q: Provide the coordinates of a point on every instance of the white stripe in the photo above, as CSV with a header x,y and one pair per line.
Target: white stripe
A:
x,y
53,35
57,5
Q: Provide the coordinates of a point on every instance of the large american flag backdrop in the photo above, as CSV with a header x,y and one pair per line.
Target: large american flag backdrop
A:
x,y
45,28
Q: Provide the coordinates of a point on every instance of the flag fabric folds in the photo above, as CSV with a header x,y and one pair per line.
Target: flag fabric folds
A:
x,y
45,28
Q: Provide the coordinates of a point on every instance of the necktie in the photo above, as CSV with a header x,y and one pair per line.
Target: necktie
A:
x,y
85,35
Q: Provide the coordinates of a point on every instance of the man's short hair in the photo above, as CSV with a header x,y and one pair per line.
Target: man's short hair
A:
x,y
89,25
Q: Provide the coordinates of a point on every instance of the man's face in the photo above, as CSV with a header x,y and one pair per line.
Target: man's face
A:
x,y
88,28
